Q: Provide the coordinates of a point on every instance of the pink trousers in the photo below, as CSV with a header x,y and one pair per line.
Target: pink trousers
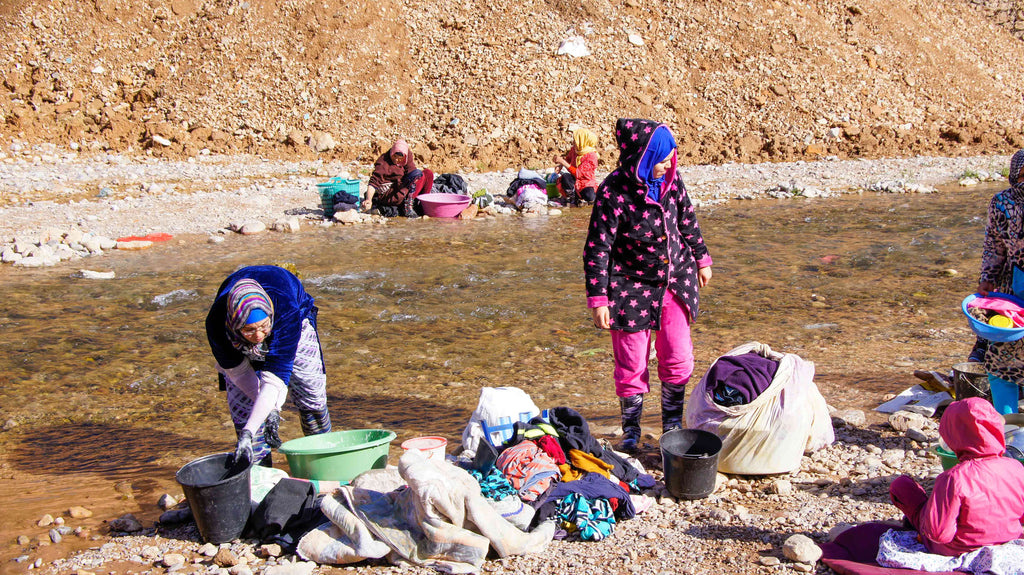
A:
x,y
672,346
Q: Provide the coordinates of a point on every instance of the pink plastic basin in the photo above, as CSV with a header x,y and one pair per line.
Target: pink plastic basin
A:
x,y
443,205
432,446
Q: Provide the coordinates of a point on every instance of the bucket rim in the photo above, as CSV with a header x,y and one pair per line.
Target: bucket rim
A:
x,y
233,477
680,431
431,442
388,437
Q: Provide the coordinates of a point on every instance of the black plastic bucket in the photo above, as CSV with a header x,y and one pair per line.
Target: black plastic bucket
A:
x,y
971,380
689,458
218,494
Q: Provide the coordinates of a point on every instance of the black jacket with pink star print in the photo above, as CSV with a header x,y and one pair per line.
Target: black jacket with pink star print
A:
x,y
637,248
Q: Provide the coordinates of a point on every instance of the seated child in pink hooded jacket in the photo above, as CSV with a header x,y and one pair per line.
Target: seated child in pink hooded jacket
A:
x,y
978,502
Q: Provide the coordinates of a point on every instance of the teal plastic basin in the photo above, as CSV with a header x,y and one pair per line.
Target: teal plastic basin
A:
x,y
339,455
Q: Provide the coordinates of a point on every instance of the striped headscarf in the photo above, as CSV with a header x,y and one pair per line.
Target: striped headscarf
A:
x,y
245,297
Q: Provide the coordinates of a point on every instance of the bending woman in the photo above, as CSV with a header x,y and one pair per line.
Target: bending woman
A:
x,y
262,331
395,183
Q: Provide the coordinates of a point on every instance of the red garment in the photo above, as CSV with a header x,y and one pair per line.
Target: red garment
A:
x,y
585,171
978,502
549,445
386,171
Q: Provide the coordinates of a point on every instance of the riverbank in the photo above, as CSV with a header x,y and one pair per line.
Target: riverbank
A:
x,y
45,193
118,417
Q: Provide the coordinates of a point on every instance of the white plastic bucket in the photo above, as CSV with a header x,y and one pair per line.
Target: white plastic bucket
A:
x,y
432,446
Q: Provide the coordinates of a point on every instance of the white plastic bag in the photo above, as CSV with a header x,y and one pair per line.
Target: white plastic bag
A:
x,y
771,433
499,408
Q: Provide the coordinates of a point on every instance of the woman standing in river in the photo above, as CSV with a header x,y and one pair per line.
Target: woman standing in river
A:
x,y
1002,270
262,331
644,262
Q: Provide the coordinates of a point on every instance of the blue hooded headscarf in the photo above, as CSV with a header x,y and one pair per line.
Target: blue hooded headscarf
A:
x,y
661,145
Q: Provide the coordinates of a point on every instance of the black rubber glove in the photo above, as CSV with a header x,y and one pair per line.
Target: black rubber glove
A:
x,y
271,427
243,451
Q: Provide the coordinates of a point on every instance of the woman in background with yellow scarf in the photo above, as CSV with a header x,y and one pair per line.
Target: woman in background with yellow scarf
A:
x,y
578,183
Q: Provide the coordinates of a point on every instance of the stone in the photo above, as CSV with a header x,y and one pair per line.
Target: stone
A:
x,y
10,424
9,256
322,142
240,570
919,436
23,540
903,420
175,516
469,213
94,275
782,487
150,552
849,417
173,559
251,228
79,512
45,520
166,501
287,225
769,561
106,243
92,245
348,217
838,530
134,245
270,550
297,568
226,558
801,548
73,236
215,239
208,550
126,523
55,536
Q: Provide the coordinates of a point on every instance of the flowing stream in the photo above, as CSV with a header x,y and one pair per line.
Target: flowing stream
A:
x,y
112,386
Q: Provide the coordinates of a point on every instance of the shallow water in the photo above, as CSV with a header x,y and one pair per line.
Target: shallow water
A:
x,y
111,382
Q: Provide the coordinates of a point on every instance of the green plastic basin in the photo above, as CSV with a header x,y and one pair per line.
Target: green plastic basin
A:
x,y
339,455
946,457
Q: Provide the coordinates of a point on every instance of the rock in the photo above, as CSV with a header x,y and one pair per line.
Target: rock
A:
x,y
849,417
93,275
79,512
150,552
837,530
45,520
321,142
288,226
250,228
161,140
106,243
134,245
801,548
769,561
166,501
215,239
803,568
35,262
270,550
469,213
23,540
240,570
55,536
208,550
126,523
175,516
297,568
226,558
348,217
172,559
9,256
10,424
919,436
782,487
903,420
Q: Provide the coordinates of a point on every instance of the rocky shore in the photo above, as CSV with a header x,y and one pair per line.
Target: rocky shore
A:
x,y
58,205
751,524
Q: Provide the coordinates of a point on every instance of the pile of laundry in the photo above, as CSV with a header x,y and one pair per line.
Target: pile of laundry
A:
x,y
522,478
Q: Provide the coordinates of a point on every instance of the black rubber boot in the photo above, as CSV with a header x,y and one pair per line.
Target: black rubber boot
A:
x,y
632,408
315,422
673,399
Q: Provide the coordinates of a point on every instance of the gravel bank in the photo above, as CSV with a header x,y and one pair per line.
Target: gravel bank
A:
x,y
114,195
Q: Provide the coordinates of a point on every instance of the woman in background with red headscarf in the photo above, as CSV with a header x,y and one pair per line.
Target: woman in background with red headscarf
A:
x,y
395,183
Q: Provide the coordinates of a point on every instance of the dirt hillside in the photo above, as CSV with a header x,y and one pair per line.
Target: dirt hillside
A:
x,y
480,85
